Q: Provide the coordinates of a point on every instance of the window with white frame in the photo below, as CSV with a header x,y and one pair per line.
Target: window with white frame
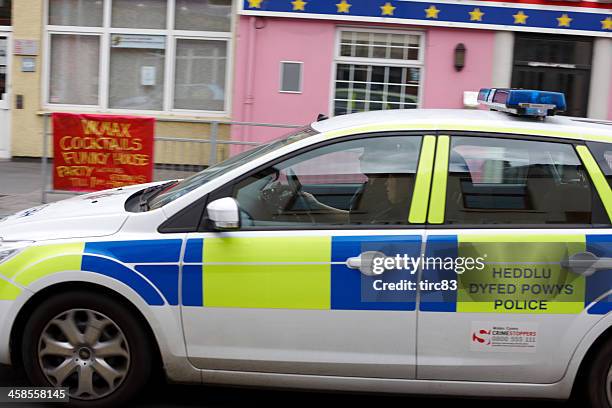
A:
x,y
139,55
377,70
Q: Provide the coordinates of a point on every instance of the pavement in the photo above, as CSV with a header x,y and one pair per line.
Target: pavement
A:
x,y
20,188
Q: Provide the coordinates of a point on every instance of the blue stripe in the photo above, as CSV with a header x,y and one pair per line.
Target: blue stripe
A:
x,y
194,251
165,278
123,274
601,281
192,289
443,301
353,291
601,308
150,251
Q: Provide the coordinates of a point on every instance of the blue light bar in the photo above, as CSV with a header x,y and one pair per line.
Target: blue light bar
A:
x,y
523,102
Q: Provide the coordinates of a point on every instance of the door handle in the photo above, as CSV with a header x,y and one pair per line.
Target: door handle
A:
x,y
364,262
586,263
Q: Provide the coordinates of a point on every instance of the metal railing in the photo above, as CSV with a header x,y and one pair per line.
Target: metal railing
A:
x,y
174,168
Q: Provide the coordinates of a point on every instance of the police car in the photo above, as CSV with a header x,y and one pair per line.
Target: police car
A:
x,y
450,252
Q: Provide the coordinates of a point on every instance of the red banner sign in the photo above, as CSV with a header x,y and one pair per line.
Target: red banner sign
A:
x,y
97,152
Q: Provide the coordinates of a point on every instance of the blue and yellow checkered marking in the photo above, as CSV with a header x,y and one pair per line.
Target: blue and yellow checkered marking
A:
x,y
293,273
519,251
307,272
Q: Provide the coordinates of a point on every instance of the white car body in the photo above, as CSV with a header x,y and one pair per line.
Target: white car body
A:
x,y
392,351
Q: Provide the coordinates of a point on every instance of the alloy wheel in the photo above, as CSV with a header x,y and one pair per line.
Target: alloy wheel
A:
x,y
86,352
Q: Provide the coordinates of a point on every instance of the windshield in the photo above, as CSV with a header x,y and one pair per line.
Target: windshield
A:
x,y
189,184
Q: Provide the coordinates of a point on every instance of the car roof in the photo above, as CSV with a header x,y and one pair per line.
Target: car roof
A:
x,y
466,119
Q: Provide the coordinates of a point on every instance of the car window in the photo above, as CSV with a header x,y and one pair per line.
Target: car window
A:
x,y
508,181
191,183
357,182
603,154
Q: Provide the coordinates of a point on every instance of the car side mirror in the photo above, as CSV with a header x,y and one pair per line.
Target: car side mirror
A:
x,y
224,214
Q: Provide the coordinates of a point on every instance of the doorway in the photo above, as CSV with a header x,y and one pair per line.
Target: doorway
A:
x,y
555,63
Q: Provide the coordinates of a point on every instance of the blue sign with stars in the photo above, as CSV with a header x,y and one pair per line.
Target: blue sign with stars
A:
x,y
485,15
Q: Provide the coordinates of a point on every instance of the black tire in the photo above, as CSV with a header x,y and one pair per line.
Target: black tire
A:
x,y
597,389
138,344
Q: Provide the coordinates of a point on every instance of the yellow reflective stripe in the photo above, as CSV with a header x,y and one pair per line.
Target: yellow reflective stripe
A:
x,y
35,254
289,272
422,185
552,307
578,135
61,263
601,184
8,291
437,203
538,258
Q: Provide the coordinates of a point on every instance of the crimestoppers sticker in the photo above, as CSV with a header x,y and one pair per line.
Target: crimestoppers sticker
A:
x,y
503,337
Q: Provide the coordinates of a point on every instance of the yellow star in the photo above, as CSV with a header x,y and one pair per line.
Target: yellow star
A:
x,y
431,12
343,7
255,3
476,15
387,9
299,5
564,20
606,24
520,18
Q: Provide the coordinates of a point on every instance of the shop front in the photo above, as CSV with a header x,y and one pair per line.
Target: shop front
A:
x,y
167,59
296,59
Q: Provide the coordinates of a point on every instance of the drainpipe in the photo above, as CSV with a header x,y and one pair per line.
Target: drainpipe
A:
x,y
249,99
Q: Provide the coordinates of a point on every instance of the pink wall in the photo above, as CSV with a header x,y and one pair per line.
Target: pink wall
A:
x,y
277,39
262,43
444,86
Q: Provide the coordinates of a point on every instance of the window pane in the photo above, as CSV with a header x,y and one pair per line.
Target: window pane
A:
x,y
139,13
211,15
379,45
602,152
358,182
72,83
5,12
200,75
76,12
553,49
496,181
291,77
364,86
137,72
536,60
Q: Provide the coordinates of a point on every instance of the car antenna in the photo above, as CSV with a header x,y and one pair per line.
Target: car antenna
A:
x,y
321,117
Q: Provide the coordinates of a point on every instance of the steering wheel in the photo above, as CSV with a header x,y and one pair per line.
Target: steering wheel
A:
x,y
293,181
295,185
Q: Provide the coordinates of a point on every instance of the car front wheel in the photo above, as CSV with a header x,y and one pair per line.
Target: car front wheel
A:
x,y
89,343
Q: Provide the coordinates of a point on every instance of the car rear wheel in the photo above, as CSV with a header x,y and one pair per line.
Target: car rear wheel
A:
x,y
90,344
599,382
